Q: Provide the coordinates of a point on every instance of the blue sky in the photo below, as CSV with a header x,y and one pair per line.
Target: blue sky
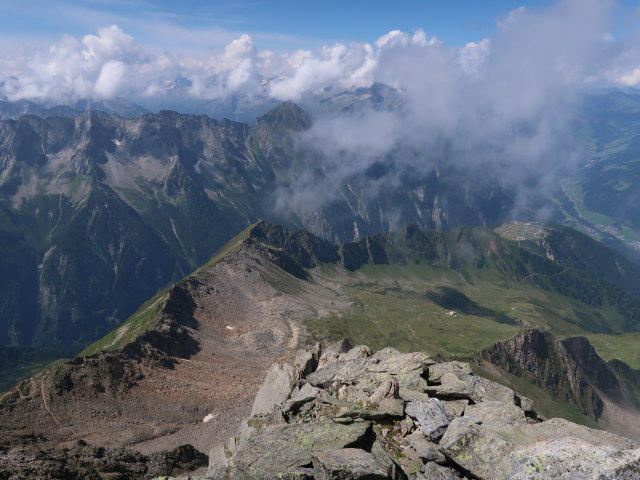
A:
x,y
274,24
142,49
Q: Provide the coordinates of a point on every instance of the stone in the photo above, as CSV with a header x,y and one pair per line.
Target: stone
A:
x,y
338,372
299,473
386,389
433,471
431,415
406,425
275,389
347,464
403,363
484,389
359,351
459,369
386,459
492,411
331,353
280,449
306,361
388,408
456,408
302,395
326,358
411,395
451,387
352,394
426,450
555,449
409,460
385,353
526,404
368,416
341,346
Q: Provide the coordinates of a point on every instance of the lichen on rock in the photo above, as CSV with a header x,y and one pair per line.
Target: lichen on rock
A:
x,y
356,414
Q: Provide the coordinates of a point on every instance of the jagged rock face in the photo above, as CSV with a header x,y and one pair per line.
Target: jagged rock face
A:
x,y
336,423
547,362
569,369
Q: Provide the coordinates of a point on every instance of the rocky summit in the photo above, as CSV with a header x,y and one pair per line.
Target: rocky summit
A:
x,y
343,412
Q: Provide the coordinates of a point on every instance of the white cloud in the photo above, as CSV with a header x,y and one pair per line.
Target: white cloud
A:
x,y
565,44
110,78
501,106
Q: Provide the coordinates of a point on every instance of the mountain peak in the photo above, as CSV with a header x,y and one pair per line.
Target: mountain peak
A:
x,y
287,115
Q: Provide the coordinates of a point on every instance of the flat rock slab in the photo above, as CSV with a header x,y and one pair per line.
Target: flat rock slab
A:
x,y
388,408
275,389
459,369
493,411
339,372
556,449
347,464
281,448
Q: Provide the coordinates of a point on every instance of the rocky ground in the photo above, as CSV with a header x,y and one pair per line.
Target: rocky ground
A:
x,y
348,413
188,382
82,462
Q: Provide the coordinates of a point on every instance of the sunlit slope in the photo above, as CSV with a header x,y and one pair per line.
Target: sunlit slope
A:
x,y
455,293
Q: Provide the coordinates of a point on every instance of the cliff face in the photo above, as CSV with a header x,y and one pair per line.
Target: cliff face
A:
x,y
349,413
571,371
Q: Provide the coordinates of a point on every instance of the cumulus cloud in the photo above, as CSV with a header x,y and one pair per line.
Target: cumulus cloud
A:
x,y
555,40
110,78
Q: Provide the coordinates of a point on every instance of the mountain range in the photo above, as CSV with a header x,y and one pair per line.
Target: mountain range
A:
x,y
97,212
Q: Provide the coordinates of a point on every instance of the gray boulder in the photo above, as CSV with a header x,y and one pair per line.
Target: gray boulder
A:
x,y
555,449
347,464
426,450
359,351
452,386
492,411
433,471
337,372
280,449
459,369
431,415
275,389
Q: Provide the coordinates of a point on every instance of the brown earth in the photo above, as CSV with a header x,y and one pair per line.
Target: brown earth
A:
x,y
248,313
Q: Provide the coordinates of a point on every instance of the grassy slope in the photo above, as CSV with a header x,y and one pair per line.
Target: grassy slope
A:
x,y
140,322
390,308
23,363
146,317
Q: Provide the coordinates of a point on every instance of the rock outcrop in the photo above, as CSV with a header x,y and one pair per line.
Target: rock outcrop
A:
x,y
350,413
572,372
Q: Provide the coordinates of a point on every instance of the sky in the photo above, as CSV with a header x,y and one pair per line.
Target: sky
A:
x,y
482,82
146,49
275,24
